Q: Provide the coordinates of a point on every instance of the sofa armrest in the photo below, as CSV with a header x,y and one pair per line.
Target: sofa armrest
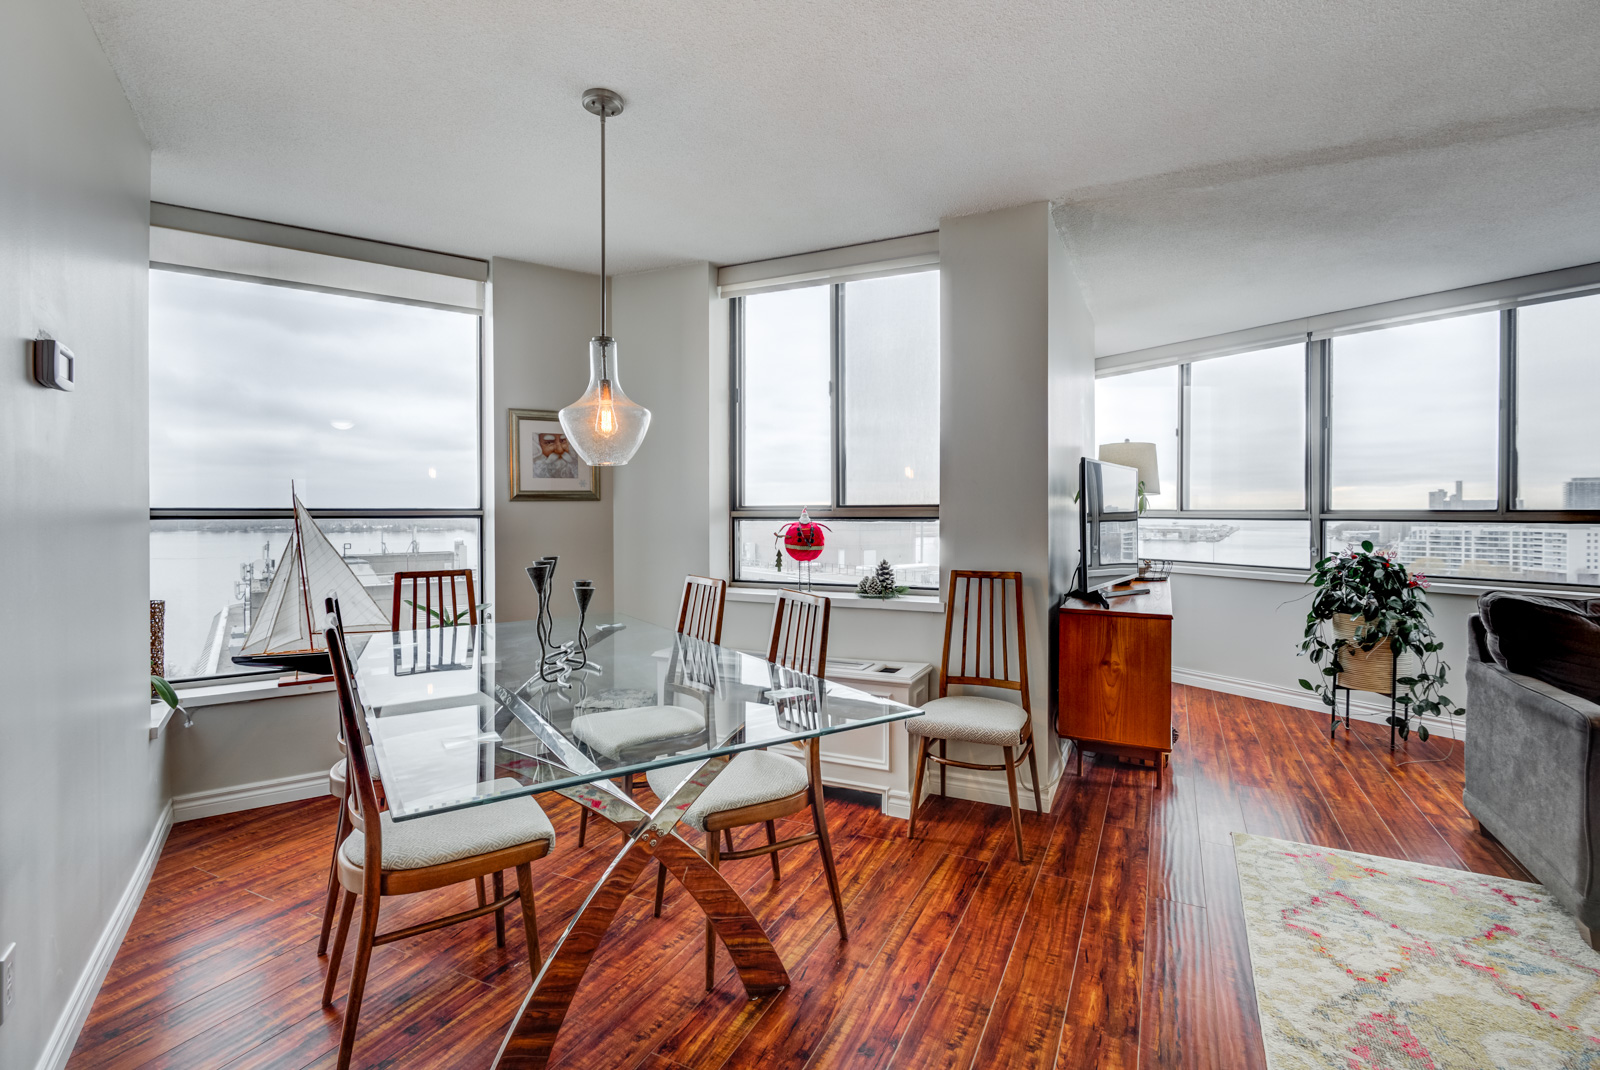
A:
x,y
1531,777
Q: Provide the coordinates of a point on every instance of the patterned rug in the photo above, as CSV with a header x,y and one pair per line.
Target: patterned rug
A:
x,y
1364,962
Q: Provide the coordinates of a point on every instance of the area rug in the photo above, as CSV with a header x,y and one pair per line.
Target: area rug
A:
x,y
1364,962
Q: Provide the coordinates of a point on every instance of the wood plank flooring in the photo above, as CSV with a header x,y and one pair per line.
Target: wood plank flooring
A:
x,y
1121,945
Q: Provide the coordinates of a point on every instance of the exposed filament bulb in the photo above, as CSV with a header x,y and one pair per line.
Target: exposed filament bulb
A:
x,y
606,418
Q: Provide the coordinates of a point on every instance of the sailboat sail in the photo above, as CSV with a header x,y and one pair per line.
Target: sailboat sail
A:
x,y
292,617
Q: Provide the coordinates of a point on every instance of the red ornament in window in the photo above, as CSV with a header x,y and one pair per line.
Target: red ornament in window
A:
x,y
803,539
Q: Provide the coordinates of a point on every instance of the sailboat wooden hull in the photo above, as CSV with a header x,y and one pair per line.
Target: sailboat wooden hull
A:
x,y
315,662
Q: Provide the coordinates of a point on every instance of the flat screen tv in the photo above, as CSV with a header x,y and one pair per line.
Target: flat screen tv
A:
x,y
1108,526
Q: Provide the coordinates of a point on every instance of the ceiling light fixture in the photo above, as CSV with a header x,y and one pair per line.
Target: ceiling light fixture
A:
x,y
604,426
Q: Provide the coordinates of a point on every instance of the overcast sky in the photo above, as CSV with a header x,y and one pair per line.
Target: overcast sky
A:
x,y
363,403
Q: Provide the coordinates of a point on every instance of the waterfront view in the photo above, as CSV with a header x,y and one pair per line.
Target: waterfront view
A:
x,y
213,574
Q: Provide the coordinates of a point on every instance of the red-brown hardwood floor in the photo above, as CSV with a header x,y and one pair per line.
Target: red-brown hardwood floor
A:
x,y
1121,945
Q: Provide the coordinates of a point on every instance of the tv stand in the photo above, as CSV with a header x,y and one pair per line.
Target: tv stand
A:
x,y
1114,674
1094,597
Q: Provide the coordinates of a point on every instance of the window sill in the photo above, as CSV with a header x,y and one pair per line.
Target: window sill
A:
x,y
193,698
1468,588
906,603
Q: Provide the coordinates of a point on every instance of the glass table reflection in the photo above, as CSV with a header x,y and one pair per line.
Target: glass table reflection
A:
x,y
470,715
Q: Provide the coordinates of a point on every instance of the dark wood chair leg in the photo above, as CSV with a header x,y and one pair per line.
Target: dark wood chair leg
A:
x,y
583,824
346,909
715,858
772,838
358,977
1033,770
944,752
819,819
916,784
1016,811
530,918
661,886
332,903
727,838
499,915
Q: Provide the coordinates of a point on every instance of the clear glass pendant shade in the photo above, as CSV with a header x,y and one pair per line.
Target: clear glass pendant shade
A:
x,y
604,426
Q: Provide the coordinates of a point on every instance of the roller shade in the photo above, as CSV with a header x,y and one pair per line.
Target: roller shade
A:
x,y
894,256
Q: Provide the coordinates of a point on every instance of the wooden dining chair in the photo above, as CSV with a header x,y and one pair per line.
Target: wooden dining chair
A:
x,y
985,603
759,787
383,857
700,608
699,617
438,591
435,599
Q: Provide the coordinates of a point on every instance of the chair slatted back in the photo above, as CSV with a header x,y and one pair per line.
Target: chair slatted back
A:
x,y
800,633
991,648
364,794
439,591
700,611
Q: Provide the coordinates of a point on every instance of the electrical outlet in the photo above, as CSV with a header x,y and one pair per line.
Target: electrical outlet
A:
x,y
8,980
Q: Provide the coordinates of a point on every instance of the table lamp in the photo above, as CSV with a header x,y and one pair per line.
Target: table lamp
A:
x,y
1140,455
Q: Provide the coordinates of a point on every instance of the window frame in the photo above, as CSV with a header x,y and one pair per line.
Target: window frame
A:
x,y
1318,511
477,513
836,509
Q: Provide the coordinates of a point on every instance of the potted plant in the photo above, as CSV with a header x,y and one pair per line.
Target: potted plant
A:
x,y
1366,612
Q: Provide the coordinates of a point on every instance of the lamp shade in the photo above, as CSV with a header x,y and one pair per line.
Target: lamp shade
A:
x,y
1140,455
605,426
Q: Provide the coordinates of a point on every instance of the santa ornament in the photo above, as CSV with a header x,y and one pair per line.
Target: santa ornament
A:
x,y
802,540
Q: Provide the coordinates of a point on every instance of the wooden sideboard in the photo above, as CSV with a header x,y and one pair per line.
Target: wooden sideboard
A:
x,y
1114,675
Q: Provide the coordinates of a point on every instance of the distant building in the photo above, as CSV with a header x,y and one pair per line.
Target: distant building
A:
x,y
1439,499
1551,552
1581,493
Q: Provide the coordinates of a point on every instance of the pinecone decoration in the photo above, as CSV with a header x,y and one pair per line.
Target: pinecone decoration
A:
x,y
885,576
869,586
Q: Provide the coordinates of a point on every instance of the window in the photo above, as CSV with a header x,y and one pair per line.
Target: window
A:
x,y
1415,413
1462,444
836,404
1558,387
1230,446
1247,437
369,407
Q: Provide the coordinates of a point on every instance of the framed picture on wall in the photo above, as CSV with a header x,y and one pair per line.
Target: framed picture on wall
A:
x,y
544,466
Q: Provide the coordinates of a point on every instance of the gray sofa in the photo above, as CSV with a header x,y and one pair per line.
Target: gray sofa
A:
x,y
1533,752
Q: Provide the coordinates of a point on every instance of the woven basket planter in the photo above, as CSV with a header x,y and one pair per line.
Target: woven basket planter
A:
x,y
1367,670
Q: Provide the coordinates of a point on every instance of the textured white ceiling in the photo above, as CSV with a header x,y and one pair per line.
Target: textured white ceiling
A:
x,y
1218,163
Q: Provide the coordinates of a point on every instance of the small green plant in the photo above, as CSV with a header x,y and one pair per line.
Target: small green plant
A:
x,y
163,691
450,620
1390,606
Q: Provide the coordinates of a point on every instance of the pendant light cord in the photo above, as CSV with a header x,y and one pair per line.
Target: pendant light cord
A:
x,y
605,304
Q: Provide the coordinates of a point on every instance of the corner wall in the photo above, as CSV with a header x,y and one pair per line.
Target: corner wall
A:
x,y
1017,394
663,324
81,791
542,319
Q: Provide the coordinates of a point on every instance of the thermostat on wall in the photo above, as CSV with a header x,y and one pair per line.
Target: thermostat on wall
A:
x,y
53,364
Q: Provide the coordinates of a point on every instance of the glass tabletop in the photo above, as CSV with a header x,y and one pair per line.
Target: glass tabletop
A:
x,y
466,715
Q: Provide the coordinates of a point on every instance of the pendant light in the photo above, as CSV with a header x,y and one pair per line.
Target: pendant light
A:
x,y
604,426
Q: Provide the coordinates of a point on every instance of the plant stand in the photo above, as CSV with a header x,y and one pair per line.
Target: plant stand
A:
x,y
1394,689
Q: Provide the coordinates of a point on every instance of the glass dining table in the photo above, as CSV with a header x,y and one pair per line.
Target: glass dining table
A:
x,y
472,715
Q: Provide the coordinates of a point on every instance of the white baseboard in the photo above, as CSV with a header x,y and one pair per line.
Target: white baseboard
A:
x,y
897,803
249,796
65,1034
1362,708
988,787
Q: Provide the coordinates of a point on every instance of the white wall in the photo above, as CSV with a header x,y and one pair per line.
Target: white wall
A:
x,y
1241,635
80,781
660,500
542,319
1016,375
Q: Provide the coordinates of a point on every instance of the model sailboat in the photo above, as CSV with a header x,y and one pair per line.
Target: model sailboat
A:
x,y
287,631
